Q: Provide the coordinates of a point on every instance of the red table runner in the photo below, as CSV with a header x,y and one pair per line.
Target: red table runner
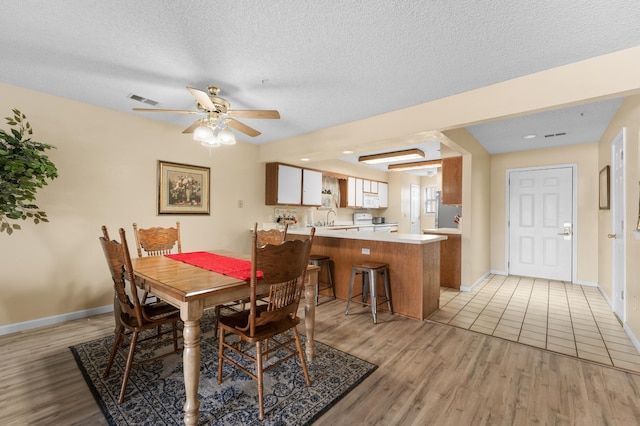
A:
x,y
236,268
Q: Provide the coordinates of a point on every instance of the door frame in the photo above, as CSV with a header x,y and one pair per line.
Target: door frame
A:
x,y
618,307
414,209
574,212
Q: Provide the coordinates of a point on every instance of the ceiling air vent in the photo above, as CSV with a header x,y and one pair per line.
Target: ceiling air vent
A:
x,y
552,135
143,100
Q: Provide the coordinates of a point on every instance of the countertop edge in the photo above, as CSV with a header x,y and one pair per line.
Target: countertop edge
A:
x,y
390,237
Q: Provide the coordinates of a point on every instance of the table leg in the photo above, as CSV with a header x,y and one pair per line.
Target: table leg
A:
x,y
191,314
310,312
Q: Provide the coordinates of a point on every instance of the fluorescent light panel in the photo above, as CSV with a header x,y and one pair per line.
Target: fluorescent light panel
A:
x,y
387,157
415,165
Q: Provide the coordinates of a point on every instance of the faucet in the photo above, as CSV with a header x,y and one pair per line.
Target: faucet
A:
x,y
328,213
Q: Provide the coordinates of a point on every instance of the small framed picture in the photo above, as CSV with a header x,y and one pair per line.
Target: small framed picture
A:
x,y
604,188
182,188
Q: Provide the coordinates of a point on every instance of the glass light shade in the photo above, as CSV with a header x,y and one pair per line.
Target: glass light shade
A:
x,y
210,143
203,133
226,137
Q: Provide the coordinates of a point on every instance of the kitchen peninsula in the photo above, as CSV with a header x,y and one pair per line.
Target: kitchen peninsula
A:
x,y
413,259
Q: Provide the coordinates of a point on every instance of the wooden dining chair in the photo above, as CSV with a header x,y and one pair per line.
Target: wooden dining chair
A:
x,y
283,267
270,236
157,241
132,317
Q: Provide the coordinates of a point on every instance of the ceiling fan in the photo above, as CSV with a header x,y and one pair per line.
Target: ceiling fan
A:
x,y
218,115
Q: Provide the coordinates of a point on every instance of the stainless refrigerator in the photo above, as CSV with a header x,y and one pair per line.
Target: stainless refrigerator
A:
x,y
445,214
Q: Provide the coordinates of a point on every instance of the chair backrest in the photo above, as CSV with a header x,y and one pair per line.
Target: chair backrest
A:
x,y
269,236
157,241
119,262
284,269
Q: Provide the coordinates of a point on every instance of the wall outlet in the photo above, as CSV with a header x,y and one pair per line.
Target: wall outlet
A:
x,y
240,204
366,251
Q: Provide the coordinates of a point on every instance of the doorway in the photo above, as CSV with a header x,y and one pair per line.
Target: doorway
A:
x,y
415,209
540,222
618,265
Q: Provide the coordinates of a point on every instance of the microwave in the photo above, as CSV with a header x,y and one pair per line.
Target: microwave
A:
x,y
370,201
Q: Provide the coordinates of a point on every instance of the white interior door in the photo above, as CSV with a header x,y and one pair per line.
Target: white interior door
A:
x,y
415,209
540,226
617,226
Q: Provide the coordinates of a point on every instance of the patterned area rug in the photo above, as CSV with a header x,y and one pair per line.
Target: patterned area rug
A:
x,y
155,391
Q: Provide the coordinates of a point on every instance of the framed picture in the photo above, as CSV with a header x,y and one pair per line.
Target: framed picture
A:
x,y
182,188
604,188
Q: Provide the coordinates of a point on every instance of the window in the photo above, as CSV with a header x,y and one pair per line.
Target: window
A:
x,y
429,200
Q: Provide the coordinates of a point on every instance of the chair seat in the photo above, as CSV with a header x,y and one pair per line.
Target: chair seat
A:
x,y
318,257
263,332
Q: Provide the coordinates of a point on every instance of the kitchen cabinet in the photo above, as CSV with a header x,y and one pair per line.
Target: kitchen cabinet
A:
x,y
353,192
291,185
383,195
311,187
359,192
450,259
452,180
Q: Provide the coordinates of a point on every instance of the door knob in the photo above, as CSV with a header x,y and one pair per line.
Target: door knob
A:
x,y
611,235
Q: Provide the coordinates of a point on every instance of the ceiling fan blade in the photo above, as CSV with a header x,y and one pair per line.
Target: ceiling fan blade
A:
x,y
173,111
242,127
193,127
254,113
202,98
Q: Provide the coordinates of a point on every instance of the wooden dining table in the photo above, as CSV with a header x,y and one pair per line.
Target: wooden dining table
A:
x,y
193,289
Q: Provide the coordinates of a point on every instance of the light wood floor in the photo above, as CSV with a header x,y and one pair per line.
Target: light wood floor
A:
x,y
429,373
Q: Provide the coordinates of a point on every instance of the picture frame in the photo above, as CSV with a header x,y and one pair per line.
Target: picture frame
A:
x,y
604,197
183,188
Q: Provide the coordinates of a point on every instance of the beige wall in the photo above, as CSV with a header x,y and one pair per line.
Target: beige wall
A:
x,y
476,184
585,156
628,117
107,167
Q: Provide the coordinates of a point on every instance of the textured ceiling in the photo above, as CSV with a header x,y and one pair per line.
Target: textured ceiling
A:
x,y
319,63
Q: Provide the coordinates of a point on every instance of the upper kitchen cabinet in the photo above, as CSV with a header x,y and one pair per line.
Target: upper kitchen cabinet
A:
x,y
292,185
452,180
311,187
363,193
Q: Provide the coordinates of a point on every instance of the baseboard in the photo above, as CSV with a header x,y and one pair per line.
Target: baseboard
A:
x,y
632,336
56,319
606,298
587,284
477,283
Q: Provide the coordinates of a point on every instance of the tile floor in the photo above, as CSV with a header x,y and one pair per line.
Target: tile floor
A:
x,y
570,319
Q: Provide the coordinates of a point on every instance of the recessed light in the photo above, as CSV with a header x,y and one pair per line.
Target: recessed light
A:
x,y
531,136
347,152
305,159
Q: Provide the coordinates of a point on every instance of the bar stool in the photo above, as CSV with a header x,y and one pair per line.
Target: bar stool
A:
x,y
370,271
324,262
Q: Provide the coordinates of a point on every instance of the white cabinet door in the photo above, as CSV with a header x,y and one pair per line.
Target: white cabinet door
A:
x,y
374,186
366,185
383,195
351,192
311,188
289,185
358,202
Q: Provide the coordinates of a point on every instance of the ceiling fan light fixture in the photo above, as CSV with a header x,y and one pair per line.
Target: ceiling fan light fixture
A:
x,y
203,133
388,157
226,136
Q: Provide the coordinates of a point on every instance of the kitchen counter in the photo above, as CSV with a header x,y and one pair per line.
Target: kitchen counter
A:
x,y
450,231
413,261
390,237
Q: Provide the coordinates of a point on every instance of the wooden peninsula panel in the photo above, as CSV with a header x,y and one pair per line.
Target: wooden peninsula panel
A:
x,y
414,270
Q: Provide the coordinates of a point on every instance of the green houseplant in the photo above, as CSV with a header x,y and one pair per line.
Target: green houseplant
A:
x,y
24,168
